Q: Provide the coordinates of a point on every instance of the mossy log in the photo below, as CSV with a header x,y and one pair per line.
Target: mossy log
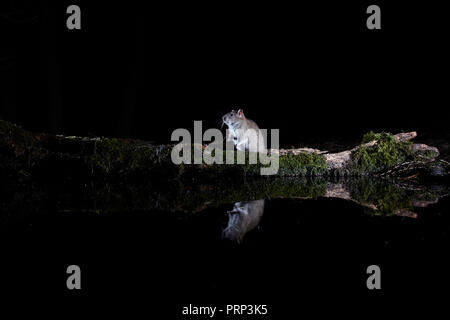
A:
x,y
69,157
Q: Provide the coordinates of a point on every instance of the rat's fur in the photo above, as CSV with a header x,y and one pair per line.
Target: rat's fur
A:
x,y
244,132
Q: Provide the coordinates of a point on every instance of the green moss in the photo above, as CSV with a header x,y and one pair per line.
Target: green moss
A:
x,y
108,152
189,196
427,155
304,164
19,149
16,132
386,153
16,137
371,136
125,156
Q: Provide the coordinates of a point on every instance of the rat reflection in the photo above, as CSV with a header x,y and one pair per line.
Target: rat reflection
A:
x,y
244,217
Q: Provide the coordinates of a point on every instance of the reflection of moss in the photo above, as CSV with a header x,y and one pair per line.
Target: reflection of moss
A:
x,y
187,196
196,194
192,197
294,188
387,198
386,153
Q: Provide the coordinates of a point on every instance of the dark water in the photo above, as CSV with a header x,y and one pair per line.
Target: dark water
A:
x,y
298,255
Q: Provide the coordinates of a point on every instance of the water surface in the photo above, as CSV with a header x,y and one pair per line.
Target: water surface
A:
x,y
306,241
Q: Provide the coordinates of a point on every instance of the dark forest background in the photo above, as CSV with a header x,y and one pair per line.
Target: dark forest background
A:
x,y
312,70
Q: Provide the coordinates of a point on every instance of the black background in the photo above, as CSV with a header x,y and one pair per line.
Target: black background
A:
x,y
311,69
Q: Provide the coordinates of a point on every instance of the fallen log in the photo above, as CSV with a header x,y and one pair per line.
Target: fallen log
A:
x,y
342,163
70,157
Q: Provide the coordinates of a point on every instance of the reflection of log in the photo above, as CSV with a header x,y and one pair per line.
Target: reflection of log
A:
x,y
376,196
106,158
389,197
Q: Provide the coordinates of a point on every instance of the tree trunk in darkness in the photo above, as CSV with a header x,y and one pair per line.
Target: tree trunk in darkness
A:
x,y
53,70
8,65
9,89
130,90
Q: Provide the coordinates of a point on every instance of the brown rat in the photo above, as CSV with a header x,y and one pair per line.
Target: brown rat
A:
x,y
244,132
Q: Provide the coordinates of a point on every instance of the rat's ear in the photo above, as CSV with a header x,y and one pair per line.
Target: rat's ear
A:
x,y
240,113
